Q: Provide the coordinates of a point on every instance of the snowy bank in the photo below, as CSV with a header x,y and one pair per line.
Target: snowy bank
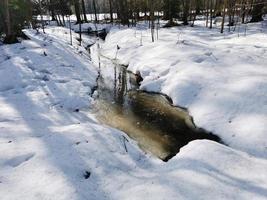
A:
x,y
220,78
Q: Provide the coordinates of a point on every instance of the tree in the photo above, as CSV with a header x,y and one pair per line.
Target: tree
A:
x,y
257,11
84,11
170,10
185,4
111,11
152,18
223,18
95,11
77,11
211,13
10,36
16,13
123,12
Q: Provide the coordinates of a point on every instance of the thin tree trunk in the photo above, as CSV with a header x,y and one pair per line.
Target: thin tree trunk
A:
x,y
195,14
77,11
207,12
52,10
95,11
59,19
63,19
211,5
243,11
111,11
7,19
152,20
185,11
70,32
223,19
84,12
80,34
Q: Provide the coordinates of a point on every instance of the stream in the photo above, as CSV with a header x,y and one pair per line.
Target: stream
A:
x,y
150,119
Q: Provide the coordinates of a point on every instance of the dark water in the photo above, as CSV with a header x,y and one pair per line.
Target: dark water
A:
x,y
150,119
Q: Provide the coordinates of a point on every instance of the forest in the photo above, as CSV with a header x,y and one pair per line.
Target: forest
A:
x,y
127,12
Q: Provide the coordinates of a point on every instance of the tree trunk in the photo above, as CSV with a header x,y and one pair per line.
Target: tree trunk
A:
x,y
257,11
95,11
223,19
59,19
63,19
111,11
211,5
77,11
152,18
52,10
207,12
84,12
7,18
243,11
185,11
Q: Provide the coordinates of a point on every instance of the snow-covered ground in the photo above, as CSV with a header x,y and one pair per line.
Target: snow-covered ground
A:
x,y
52,147
220,78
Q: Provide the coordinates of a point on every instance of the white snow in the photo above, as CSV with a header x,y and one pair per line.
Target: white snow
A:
x,y
47,147
221,79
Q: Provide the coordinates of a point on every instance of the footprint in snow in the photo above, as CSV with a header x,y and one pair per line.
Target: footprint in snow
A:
x,y
68,66
18,160
199,60
45,71
26,59
208,53
31,67
62,81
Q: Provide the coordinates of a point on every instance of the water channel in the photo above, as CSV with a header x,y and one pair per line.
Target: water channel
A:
x,y
150,119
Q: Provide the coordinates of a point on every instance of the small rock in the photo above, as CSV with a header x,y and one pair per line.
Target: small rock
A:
x,y
77,110
87,174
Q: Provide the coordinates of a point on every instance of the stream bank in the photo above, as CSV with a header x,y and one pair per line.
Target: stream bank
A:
x,y
149,118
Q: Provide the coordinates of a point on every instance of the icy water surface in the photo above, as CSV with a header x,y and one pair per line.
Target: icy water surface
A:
x,y
150,119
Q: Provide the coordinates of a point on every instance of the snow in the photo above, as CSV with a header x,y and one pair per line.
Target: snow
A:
x,y
220,78
48,146
85,27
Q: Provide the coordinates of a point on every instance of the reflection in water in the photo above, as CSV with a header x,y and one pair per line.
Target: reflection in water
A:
x,y
157,126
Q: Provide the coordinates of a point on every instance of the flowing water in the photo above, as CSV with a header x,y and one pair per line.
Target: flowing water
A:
x,y
150,119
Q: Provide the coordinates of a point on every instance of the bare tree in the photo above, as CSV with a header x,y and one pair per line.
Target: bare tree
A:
x,y
152,18
211,13
95,11
185,4
223,18
84,11
111,10
7,18
77,11
257,11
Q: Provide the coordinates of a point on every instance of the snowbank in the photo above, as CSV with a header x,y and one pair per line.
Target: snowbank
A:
x,y
220,78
